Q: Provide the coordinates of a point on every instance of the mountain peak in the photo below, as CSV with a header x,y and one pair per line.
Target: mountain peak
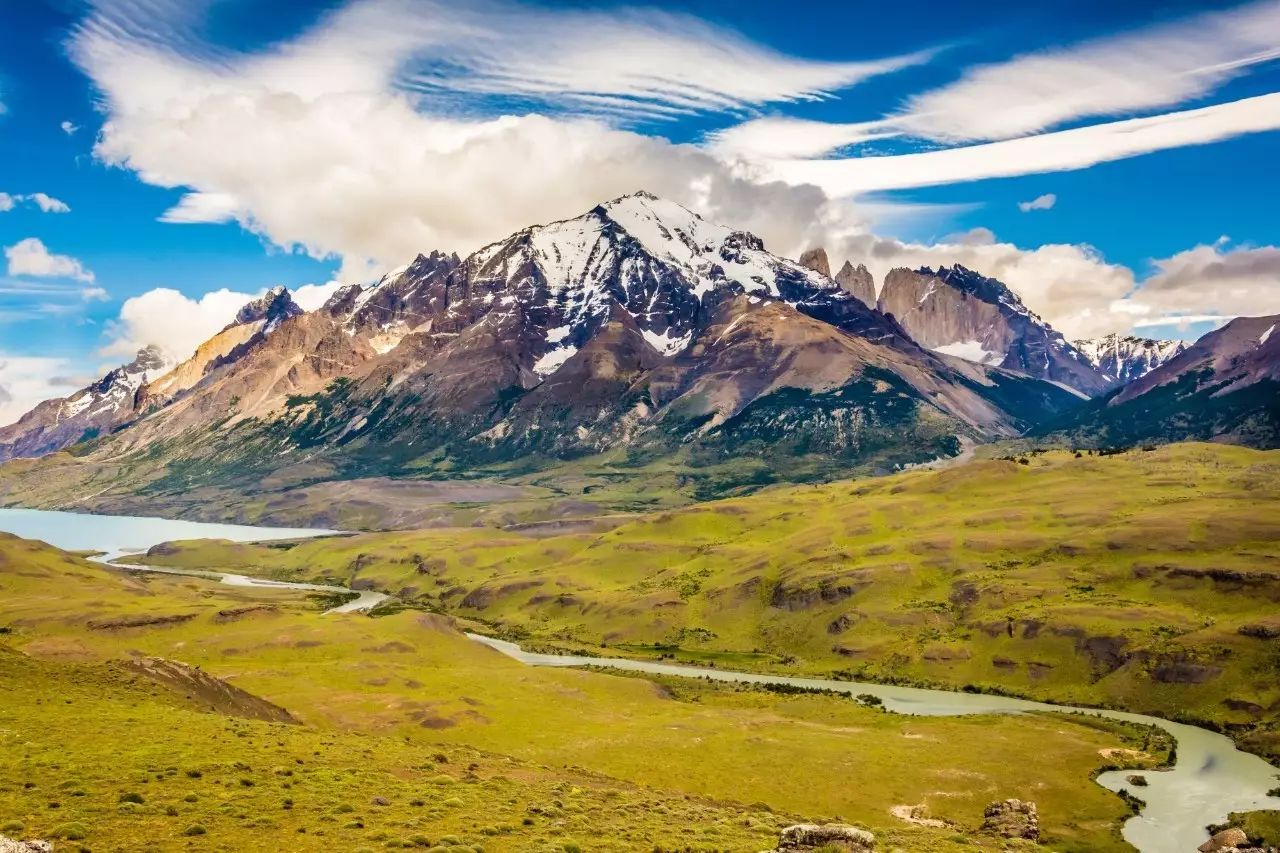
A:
x,y
816,259
275,306
959,312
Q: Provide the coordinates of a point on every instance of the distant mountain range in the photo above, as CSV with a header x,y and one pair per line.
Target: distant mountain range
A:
x,y
638,329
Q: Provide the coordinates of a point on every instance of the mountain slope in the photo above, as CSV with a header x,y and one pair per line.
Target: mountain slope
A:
x,y
1225,387
962,313
99,408
1124,358
637,329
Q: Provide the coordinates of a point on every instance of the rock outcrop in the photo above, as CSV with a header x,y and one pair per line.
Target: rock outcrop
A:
x,y
1012,819
959,312
858,281
9,845
830,836
817,260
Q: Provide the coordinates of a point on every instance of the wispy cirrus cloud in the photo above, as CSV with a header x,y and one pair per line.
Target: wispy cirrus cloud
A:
x,y
1062,150
1010,105
1151,69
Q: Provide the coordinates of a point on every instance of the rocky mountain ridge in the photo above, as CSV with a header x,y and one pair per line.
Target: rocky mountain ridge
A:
x,y
1124,358
960,312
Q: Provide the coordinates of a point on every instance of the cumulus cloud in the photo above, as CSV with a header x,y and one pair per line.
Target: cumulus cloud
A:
x,y
25,382
46,203
1043,202
172,321
201,207
311,296
1153,68
378,180
31,257
49,204
1208,282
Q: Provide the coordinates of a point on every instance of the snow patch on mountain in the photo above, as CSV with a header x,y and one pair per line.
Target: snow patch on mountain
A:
x,y
554,360
971,351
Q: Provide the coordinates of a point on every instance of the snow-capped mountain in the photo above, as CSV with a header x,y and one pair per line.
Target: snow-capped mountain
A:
x,y
146,384
958,312
636,325
1224,387
1124,358
100,407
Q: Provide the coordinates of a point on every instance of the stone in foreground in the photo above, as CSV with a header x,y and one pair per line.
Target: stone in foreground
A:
x,y
9,845
1013,819
811,836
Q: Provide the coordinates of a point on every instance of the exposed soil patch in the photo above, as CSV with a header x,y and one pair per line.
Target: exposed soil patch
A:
x,y
124,622
216,694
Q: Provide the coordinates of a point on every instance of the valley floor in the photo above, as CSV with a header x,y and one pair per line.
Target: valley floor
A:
x,y
1148,580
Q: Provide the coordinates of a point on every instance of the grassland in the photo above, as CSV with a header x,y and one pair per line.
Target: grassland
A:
x,y
1144,580
532,759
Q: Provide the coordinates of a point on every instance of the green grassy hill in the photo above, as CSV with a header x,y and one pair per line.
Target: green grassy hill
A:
x,y
533,759
1145,580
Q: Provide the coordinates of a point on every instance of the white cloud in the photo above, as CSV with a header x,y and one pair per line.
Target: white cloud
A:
x,y
49,204
1153,68
780,137
1062,150
25,381
311,296
31,257
68,128
46,203
1043,202
386,173
172,321
201,207
1210,282
380,181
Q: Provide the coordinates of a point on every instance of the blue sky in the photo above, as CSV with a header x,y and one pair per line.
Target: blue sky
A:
x,y
321,140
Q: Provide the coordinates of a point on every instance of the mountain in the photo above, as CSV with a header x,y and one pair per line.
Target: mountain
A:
x,y
1124,358
145,385
1224,387
963,313
99,408
856,281
637,329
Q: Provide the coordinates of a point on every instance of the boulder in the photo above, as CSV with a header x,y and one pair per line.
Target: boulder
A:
x,y
833,836
9,845
1227,839
1013,819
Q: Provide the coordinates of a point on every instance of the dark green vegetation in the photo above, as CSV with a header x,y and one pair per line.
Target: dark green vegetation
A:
x,y
1147,580
1188,409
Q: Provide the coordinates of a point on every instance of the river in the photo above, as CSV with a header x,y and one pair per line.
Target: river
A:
x,y
1210,779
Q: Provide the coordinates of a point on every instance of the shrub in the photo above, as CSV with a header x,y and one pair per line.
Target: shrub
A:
x,y
195,829
13,826
132,797
71,831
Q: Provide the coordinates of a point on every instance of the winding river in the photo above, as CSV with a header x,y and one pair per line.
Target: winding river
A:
x,y
1211,778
